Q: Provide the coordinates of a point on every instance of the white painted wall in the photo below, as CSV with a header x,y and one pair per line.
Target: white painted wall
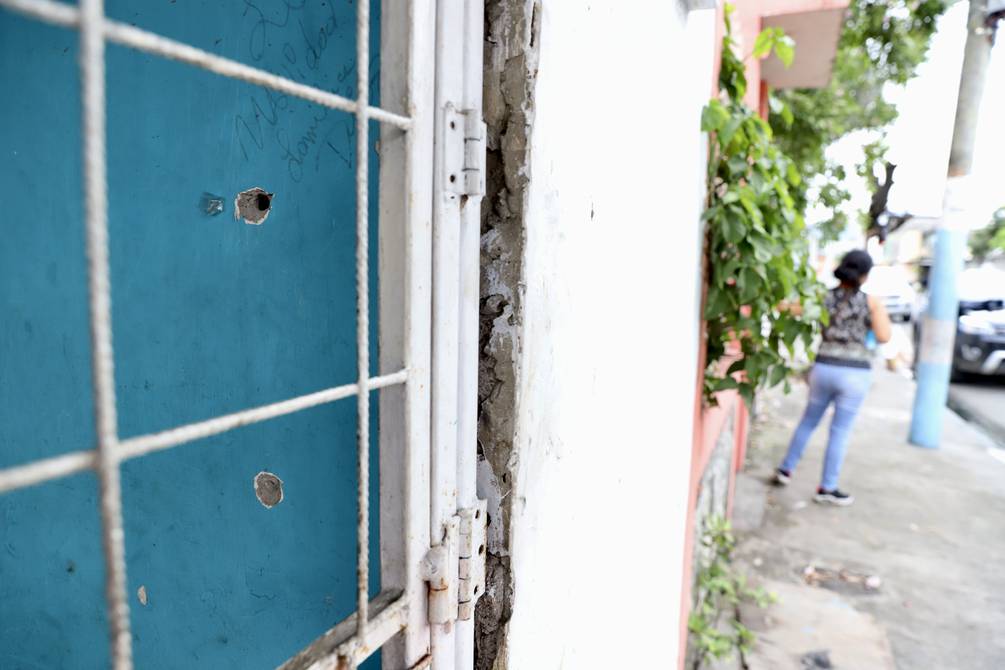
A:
x,y
607,371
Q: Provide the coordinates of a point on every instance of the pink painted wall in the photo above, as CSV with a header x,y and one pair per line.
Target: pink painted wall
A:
x,y
747,25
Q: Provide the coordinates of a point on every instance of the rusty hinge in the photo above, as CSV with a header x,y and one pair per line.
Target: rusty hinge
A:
x,y
440,570
464,152
455,568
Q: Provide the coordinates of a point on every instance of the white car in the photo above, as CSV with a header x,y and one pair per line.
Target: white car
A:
x,y
892,285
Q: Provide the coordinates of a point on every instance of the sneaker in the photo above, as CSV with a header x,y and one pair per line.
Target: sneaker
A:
x,y
834,497
782,477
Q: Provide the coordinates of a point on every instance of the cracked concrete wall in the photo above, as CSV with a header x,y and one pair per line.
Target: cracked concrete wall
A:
x,y
590,271
511,47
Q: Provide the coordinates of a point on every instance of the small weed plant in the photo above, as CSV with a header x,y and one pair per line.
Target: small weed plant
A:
x,y
715,626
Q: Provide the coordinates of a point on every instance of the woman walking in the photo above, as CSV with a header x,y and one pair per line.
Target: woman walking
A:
x,y
841,374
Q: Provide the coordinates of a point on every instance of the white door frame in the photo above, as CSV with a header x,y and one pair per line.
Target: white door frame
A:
x,y
405,274
431,275
456,255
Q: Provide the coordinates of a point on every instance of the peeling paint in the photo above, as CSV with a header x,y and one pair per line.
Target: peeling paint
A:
x,y
510,70
211,204
268,489
141,594
490,490
253,205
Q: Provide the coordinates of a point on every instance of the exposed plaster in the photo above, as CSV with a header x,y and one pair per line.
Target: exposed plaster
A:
x,y
510,70
253,205
268,489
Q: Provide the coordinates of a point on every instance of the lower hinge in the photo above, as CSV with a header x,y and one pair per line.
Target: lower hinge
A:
x,y
464,151
471,559
455,568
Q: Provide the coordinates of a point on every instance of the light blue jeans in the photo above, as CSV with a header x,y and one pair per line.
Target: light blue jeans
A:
x,y
846,387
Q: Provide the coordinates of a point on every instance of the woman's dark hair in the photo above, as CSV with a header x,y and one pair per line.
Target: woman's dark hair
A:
x,y
854,267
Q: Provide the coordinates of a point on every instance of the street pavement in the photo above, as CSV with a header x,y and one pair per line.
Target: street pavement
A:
x,y
981,401
909,577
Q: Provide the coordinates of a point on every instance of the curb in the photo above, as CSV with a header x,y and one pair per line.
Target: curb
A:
x,y
993,430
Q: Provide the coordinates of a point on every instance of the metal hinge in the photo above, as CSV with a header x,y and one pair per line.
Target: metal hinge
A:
x,y
455,568
464,152
471,559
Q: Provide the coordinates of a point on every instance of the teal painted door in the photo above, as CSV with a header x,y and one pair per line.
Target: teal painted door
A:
x,y
210,315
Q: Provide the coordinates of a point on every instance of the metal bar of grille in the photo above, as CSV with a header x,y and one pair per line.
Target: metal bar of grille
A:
x,y
341,646
71,463
142,40
92,81
46,469
138,446
362,315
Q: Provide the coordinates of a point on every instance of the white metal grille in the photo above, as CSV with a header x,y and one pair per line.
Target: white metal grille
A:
x,y
374,623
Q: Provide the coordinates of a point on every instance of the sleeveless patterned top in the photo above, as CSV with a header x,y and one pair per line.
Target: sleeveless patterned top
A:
x,y
844,337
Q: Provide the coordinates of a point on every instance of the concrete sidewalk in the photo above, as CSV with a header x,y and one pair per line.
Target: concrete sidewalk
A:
x,y
912,576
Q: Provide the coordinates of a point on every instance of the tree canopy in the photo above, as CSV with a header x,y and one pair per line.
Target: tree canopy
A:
x,y
882,41
986,241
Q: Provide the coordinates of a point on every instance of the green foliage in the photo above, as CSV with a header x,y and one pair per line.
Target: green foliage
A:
x,y
882,41
756,250
991,238
775,39
721,590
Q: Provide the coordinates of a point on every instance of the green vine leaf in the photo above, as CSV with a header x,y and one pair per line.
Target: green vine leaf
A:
x,y
733,228
714,116
764,42
785,49
775,39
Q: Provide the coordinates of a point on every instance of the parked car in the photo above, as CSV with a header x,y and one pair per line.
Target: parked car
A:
x,y
979,348
892,285
980,343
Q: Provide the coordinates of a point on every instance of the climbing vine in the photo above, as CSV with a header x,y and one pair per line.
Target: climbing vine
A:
x,y
756,248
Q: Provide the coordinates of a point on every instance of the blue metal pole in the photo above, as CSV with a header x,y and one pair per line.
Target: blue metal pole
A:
x,y
938,328
938,332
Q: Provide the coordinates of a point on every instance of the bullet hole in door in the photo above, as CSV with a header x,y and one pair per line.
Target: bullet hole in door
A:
x,y
268,489
253,205
211,204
